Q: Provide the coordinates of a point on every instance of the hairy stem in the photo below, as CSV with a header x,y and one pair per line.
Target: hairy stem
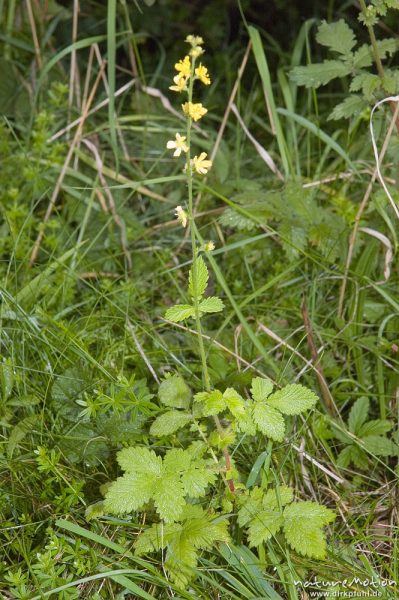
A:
x,y
194,250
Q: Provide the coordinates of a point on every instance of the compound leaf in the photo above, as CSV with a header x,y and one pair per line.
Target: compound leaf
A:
x,y
261,388
319,73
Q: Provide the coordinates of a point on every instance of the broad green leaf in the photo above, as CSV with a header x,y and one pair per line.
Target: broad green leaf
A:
x,y
363,57
168,497
196,479
377,427
269,421
179,312
277,497
387,47
319,73
358,414
303,523
368,83
353,105
235,403
246,424
261,388
212,403
174,392
380,446
337,36
212,304
293,399
250,506
130,492
263,526
156,537
139,460
345,457
201,279
169,422
359,457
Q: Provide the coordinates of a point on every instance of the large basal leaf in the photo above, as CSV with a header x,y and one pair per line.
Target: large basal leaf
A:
x,y
174,392
169,423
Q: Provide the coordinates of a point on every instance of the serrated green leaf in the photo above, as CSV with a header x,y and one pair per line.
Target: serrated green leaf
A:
x,y
129,493
246,424
250,506
196,479
212,402
212,304
319,73
234,402
368,83
169,422
139,460
377,427
358,414
380,446
174,392
169,497
352,106
274,498
261,388
262,527
157,537
303,523
179,312
201,279
94,511
337,36
363,57
387,47
269,421
359,457
293,399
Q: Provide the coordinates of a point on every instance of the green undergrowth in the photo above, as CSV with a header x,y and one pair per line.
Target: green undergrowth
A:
x,y
101,380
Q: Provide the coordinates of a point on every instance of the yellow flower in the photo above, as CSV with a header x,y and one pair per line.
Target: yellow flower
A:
x,y
184,66
181,215
202,74
199,164
194,40
196,51
209,246
179,144
195,111
180,83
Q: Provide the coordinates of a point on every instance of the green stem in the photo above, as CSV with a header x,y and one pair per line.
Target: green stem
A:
x,y
194,249
373,40
205,372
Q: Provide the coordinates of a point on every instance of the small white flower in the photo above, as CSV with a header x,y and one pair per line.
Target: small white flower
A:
x,y
179,145
181,215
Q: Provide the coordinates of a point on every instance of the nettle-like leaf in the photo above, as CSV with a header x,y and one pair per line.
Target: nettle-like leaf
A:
x,y
268,409
174,392
303,527
317,74
212,304
169,423
293,399
202,278
166,482
179,312
212,403
269,421
197,531
234,402
353,105
261,388
337,36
